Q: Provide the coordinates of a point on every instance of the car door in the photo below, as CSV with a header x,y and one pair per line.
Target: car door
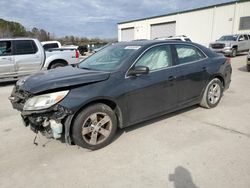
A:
x,y
6,59
152,93
191,65
247,42
242,43
28,59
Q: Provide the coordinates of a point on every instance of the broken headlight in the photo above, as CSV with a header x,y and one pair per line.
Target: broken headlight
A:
x,y
44,101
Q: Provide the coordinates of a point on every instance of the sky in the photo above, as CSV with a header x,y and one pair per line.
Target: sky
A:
x,y
89,18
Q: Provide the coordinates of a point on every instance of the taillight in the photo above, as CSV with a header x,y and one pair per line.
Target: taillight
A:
x,y
77,54
228,60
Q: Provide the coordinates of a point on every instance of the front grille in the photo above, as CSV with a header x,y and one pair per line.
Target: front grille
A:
x,y
218,46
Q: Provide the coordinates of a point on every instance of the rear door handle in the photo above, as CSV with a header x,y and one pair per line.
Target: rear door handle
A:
x,y
7,58
204,68
171,78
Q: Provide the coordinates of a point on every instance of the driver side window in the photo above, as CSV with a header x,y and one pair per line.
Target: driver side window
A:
x,y
158,57
241,38
5,48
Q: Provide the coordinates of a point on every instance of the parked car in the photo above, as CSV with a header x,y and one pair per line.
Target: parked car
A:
x,y
104,46
179,37
24,56
231,44
248,61
83,49
51,44
121,85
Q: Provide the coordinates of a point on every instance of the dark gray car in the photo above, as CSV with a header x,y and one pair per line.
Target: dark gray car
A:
x,y
121,85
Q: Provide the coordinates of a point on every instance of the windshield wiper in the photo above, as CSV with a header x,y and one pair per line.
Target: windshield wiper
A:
x,y
86,68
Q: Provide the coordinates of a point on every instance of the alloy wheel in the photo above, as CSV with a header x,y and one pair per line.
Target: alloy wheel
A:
x,y
214,93
96,128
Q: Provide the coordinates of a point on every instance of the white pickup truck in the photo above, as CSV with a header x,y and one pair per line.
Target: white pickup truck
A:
x,y
24,56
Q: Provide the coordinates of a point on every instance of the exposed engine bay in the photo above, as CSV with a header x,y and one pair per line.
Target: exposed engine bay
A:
x,y
48,122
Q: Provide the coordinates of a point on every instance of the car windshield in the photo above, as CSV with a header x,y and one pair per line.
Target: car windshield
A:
x,y
228,38
110,58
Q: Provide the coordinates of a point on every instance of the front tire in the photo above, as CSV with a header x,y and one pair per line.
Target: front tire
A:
x,y
212,94
94,127
234,52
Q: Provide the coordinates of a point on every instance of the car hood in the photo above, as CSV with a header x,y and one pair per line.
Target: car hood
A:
x,y
62,77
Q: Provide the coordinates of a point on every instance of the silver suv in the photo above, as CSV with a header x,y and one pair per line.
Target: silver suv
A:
x,y
231,44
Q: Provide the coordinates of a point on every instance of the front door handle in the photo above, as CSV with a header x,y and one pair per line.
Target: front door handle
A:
x,y
204,68
171,78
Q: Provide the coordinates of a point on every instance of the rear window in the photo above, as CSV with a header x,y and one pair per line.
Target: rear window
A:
x,y
23,47
245,37
51,45
187,53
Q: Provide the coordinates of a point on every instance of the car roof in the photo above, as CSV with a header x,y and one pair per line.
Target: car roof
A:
x,y
19,38
150,42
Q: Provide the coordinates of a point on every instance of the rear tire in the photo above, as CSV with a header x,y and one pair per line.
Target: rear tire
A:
x,y
212,94
248,68
57,64
94,127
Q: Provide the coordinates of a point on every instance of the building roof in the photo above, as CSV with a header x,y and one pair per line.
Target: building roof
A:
x,y
185,11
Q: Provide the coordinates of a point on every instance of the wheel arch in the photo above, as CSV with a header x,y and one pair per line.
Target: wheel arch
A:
x,y
57,61
109,102
221,78
235,46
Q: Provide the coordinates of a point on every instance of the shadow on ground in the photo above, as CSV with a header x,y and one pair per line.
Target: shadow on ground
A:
x,y
243,69
182,178
242,54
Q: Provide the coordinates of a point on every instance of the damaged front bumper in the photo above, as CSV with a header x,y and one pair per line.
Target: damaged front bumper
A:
x,y
53,122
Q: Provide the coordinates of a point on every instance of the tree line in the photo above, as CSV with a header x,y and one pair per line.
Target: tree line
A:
x,y
14,29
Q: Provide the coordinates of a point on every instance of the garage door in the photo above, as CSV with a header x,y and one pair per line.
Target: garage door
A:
x,y
127,34
162,30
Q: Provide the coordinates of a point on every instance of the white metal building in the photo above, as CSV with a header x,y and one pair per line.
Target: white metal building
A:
x,y
202,25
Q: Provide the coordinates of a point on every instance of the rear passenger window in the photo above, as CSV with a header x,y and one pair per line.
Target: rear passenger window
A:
x,y
51,45
25,47
187,53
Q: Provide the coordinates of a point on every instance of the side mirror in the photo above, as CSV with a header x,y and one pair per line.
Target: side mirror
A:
x,y
241,39
138,70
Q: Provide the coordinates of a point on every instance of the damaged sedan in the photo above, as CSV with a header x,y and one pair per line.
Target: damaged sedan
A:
x,y
121,85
